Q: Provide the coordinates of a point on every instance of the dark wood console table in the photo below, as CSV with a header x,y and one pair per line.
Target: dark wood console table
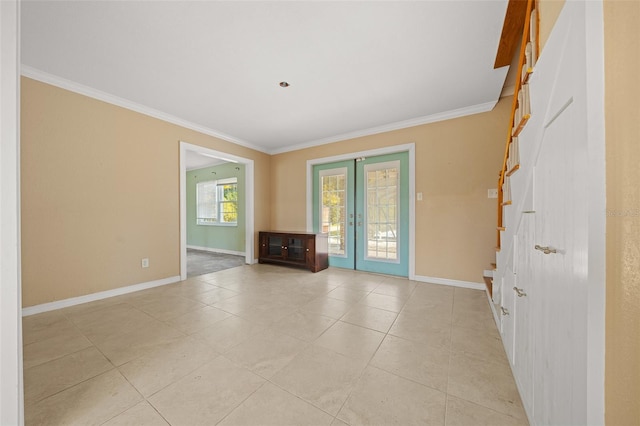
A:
x,y
306,250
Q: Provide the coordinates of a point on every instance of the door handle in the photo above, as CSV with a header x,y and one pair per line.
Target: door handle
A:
x,y
504,310
545,250
519,292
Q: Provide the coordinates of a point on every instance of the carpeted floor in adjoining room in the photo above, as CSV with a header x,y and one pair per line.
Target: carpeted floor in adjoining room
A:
x,y
201,262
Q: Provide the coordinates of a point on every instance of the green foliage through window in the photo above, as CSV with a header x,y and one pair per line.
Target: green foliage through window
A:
x,y
217,202
334,210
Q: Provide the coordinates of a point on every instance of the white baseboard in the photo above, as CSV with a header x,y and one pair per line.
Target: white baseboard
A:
x,y
216,250
449,282
487,273
59,304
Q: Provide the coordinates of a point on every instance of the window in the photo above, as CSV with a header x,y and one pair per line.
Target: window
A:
x,y
217,202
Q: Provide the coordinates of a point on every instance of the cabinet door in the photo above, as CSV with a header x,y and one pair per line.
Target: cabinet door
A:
x,y
263,250
507,312
296,249
275,246
311,253
523,293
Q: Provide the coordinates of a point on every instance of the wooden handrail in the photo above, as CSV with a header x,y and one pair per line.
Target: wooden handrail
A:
x,y
531,4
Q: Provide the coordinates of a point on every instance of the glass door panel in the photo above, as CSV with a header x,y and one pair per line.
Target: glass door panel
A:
x,y
333,210
382,185
382,232
296,249
275,246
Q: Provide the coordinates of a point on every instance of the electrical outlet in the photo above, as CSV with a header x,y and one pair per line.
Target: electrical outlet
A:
x,y
145,262
419,196
492,193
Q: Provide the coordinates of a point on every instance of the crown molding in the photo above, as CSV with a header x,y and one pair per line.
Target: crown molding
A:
x,y
441,116
81,89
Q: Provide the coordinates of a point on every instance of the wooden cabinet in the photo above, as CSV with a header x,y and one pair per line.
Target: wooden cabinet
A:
x,y
305,250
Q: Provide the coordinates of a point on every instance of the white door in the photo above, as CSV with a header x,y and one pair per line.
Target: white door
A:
x,y
560,248
523,292
507,311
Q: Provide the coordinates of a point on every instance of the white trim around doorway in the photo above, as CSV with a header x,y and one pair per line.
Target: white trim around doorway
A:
x,y
11,368
411,149
249,200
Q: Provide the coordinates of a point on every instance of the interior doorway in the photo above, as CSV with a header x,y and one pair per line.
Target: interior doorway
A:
x,y
247,198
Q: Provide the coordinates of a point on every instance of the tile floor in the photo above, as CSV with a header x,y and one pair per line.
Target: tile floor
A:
x,y
267,345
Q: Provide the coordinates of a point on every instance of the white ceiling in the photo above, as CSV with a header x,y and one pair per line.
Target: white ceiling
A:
x,y
354,68
194,160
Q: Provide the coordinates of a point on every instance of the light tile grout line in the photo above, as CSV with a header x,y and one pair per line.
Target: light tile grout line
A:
x,y
369,361
335,417
80,382
117,368
248,396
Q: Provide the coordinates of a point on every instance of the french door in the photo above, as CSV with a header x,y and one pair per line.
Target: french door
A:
x,y
363,206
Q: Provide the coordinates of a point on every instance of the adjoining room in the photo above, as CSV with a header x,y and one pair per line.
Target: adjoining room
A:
x,y
216,213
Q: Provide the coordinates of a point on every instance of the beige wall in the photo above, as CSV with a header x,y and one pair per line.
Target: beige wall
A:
x,y
548,12
100,191
622,113
456,162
